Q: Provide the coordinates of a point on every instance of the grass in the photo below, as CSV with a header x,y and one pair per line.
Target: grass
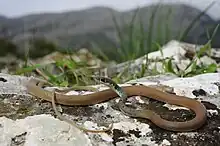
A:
x,y
135,39
193,68
132,35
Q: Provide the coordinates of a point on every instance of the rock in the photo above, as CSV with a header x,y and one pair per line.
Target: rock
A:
x,y
181,54
40,130
80,56
9,62
27,120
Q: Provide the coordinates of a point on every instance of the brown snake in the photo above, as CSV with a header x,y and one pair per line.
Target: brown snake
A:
x,y
101,96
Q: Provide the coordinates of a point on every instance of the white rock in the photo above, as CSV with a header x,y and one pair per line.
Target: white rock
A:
x,y
42,130
165,143
171,49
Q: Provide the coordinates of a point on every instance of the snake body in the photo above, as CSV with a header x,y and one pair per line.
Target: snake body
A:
x,y
128,91
61,117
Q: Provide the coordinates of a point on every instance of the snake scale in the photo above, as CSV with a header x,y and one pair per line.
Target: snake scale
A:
x,y
124,92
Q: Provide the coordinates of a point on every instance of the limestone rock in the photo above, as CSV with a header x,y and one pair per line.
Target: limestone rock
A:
x,y
30,120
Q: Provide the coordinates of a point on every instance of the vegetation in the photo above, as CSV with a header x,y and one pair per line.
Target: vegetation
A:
x,y
134,35
134,41
40,47
6,46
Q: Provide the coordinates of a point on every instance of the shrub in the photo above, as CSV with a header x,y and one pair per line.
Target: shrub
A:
x,y
40,47
7,46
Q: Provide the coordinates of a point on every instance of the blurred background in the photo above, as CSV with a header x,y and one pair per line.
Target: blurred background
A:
x,y
105,27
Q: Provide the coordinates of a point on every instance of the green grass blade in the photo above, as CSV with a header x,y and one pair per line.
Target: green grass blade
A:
x,y
191,25
151,27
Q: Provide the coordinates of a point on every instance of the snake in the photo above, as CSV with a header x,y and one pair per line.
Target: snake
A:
x,y
128,91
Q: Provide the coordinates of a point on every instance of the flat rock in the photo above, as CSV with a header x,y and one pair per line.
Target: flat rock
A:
x,y
27,120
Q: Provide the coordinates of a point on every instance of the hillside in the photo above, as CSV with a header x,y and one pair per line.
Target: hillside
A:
x,y
76,29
